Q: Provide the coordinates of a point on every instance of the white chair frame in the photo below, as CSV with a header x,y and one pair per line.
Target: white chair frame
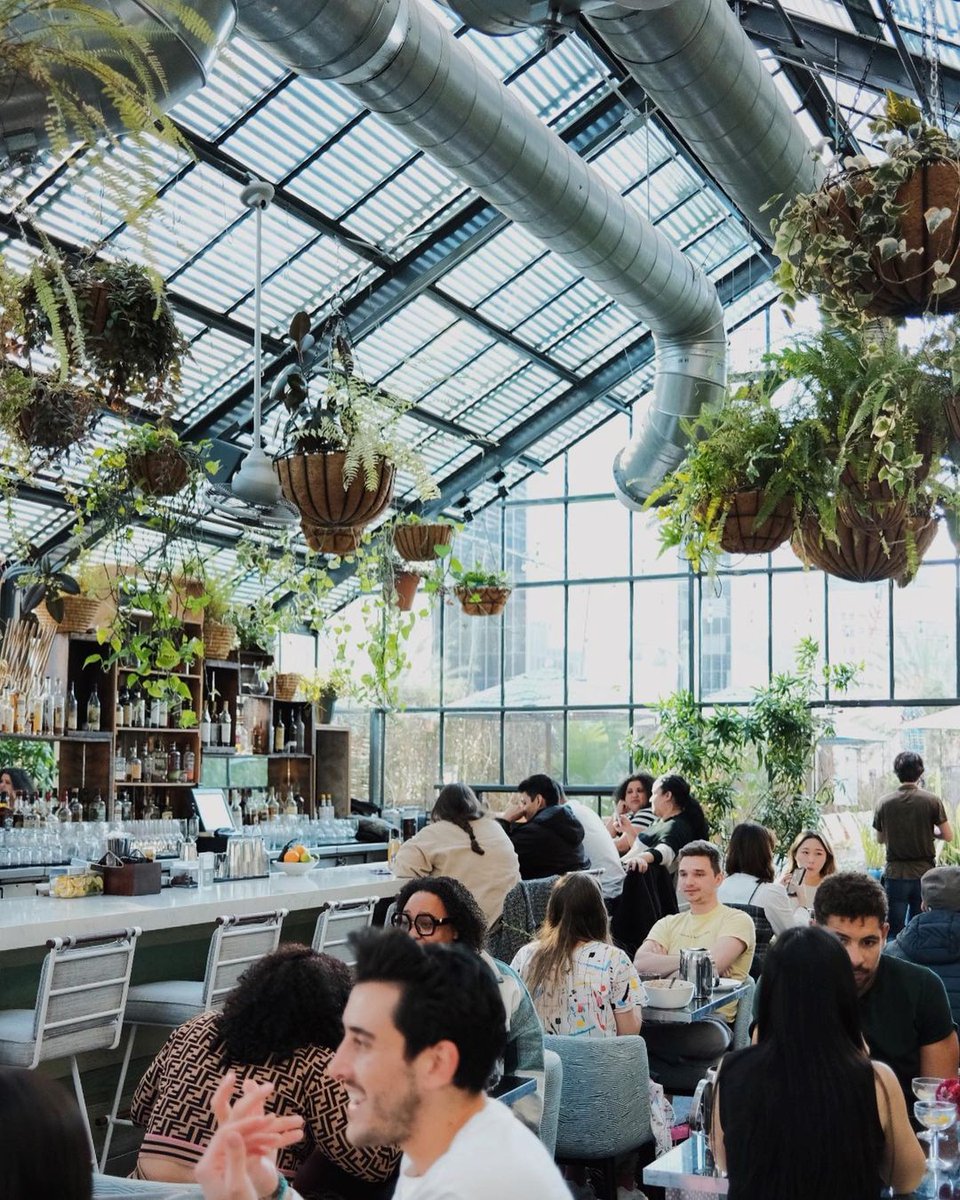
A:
x,y
337,920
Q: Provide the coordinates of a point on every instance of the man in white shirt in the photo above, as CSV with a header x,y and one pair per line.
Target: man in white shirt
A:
x,y
423,1028
600,848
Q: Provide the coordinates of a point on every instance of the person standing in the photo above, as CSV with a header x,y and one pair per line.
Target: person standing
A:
x,y
907,821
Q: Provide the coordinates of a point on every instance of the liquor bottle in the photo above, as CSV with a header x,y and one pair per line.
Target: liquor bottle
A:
x,y
290,804
46,720
205,728
63,808
273,807
236,809
163,712
98,810
188,772
226,733
153,717
134,766
173,764
124,807
126,706
72,709
166,812
149,808
59,709
300,734
36,710
93,711
240,736
138,708
119,765
279,736
76,808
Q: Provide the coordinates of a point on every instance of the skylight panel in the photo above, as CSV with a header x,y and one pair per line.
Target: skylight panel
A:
x,y
240,76
558,80
397,216
488,268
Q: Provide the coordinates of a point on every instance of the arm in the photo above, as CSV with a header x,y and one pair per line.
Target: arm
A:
x,y
725,951
147,1090
326,1113
653,960
945,831
627,1021
903,1163
939,1060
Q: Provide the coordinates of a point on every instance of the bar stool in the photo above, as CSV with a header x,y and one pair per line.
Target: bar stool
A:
x,y
337,920
80,1004
236,943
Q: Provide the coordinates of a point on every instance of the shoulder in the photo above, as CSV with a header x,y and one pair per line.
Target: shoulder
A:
x,y
909,978
733,920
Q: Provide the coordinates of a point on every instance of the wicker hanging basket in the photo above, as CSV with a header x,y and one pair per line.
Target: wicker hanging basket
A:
x,y
417,543
741,532
870,507
951,409
483,601
314,484
80,615
218,639
285,685
341,541
163,472
863,557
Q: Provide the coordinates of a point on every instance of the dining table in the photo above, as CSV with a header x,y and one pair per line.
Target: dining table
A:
x,y
697,1009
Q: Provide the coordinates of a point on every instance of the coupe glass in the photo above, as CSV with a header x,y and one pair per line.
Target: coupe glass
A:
x,y
935,1115
925,1088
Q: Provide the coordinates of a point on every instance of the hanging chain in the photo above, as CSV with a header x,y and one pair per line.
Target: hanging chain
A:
x,y
931,54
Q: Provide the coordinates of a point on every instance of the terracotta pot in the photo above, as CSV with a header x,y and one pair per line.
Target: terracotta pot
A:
x,y
161,473
741,533
483,601
901,287
405,584
314,483
861,556
331,541
416,543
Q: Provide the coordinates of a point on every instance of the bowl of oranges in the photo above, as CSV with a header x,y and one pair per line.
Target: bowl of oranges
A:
x,y
295,859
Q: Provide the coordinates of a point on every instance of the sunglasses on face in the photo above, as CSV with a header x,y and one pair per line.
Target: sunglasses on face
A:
x,y
423,923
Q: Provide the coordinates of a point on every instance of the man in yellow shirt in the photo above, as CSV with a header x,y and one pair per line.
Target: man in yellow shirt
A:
x,y
680,1054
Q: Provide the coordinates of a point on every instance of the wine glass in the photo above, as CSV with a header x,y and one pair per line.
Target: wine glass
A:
x,y
925,1088
935,1115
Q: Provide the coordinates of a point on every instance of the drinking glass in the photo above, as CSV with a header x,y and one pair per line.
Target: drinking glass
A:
x,y
925,1088
935,1115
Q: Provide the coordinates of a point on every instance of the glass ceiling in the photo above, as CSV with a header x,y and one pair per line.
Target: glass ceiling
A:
x,y
462,313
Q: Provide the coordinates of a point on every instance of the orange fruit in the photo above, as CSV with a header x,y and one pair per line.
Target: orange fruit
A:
x,y
291,856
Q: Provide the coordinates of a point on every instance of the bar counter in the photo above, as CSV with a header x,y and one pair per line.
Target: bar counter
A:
x,y
30,922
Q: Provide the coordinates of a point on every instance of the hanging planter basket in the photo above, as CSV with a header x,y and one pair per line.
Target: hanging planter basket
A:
x,y
864,557
314,484
417,543
331,541
405,584
54,418
285,685
902,286
870,507
163,472
741,532
951,410
80,615
218,639
483,601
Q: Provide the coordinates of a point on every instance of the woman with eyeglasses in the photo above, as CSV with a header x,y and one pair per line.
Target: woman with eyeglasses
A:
x,y
440,910
463,842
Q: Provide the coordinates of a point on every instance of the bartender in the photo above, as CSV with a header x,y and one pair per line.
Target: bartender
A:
x,y
13,781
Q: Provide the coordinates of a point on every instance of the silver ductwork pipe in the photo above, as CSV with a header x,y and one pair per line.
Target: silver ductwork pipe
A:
x,y
184,60
404,65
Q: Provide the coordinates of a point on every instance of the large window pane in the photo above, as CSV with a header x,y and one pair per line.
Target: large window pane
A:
x,y
733,637
532,742
471,748
798,598
598,545
412,759
533,660
648,556
925,634
420,683
533,540
471,656
598,644
595,747
590,461
545,484
660,637
859,633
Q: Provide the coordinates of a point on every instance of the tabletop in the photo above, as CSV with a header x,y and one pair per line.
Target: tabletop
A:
x,y
696,1010
510,1088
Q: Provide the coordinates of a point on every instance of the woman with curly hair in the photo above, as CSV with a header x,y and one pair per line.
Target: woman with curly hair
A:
x,y
463,842
281,1025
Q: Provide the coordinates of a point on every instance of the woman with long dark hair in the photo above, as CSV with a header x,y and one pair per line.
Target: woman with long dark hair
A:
x,y
810,860
463,842
679,819
749,878
632,812
45,1147
807,1093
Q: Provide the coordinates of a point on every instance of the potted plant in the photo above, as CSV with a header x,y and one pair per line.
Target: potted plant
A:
x,y
324,688
341,451
74,601
481,593
217,608
419,540
735,491
879,239
44,414
158,462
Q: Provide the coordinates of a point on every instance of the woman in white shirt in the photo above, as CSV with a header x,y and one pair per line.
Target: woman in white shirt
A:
x,y
750,876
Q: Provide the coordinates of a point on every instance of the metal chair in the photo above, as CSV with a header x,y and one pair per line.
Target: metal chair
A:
x,y
83,990
741,1022
337,920
604,1101
236,943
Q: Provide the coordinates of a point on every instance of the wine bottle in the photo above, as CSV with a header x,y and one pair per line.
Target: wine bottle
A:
x,y
93,711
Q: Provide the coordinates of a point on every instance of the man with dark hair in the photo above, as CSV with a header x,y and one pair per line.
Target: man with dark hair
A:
x,y
932,938
424,1026
907,821
546,835
903,1007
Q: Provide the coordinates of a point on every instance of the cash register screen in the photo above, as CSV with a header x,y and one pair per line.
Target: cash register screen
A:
x,y
211,806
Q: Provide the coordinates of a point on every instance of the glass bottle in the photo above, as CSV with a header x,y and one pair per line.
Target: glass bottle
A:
x,y
93,711
134,766
63,808
139,708
59,709
278,736
173,764
98,810
205,725
36,710
163,712
126,706
119,765
76,808
188,773
149,807
273,808
290,804
226,733
72,709
46,719
117,712
240,735
300,734
125,806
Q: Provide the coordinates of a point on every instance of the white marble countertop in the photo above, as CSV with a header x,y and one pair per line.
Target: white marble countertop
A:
x,y
30,922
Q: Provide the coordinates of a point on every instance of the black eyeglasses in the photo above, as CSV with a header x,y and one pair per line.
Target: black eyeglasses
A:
x,y
423,923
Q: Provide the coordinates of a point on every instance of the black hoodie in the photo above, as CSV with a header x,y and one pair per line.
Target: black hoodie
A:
x,y
549,844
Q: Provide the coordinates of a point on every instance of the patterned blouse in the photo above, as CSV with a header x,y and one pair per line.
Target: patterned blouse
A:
x,y
601,981
172,1102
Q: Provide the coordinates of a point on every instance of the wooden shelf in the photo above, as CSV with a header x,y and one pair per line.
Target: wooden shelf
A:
x,y
281,757
192,732
220,664
80,735
120,784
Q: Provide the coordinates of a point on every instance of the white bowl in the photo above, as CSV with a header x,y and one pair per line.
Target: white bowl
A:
x,y
297,868
668,993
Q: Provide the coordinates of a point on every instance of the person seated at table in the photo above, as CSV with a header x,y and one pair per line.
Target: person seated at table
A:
x,y
749,878
679,820
932,937
281,1025
632,812
805,1113
440,910
680,1054
45,1147
810,860
546,835
463,841
600,848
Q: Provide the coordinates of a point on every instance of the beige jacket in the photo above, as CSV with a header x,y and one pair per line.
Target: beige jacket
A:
x,y
442,848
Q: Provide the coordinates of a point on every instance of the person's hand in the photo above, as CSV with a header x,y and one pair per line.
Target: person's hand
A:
x,y
244,1148
514,811
636,864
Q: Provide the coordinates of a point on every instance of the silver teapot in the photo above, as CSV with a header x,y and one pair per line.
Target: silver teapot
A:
x,y
696,966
